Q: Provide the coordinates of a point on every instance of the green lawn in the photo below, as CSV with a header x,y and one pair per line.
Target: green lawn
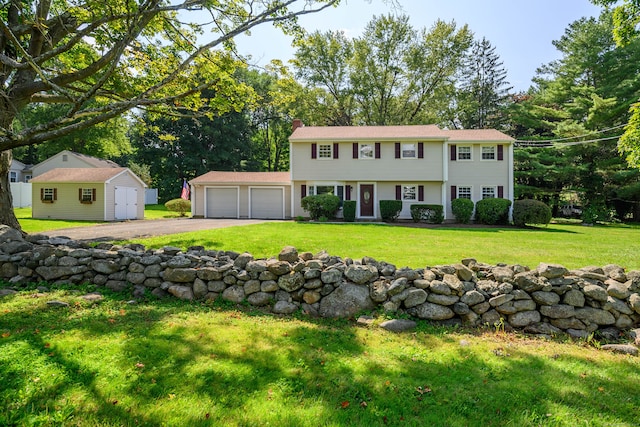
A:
x,y
170,363
574,246
31,225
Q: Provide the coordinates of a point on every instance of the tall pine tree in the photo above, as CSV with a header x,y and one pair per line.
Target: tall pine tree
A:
x,y
484,92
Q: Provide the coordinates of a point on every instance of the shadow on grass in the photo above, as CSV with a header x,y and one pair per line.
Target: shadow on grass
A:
x,y
174,363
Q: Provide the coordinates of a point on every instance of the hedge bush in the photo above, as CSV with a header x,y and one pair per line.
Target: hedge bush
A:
x,y
431,214
530,212
181,206
493,211
390,209
462,209
321,205
349,210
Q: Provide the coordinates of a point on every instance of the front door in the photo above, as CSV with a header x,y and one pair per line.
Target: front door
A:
x,y
366,200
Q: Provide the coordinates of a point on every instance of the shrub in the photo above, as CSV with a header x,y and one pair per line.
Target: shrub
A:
x,y
493,211
431,214
181,206
530,212
390,209
349,210
321,205
595,213
462,209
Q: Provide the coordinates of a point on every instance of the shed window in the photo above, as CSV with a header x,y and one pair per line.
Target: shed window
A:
x,y
87,195
48,195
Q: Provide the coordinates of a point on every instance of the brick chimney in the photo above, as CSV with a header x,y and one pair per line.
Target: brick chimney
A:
x,y
297,123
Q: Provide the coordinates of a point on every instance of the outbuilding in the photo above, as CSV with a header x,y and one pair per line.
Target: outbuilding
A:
x,y
93,194
259,195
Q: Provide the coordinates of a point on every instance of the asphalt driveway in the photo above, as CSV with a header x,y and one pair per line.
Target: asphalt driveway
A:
x,y
146,228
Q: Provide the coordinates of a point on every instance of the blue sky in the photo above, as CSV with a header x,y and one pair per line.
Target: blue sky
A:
x,y
520,30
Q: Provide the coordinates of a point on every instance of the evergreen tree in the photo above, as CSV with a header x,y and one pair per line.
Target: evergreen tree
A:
x,y
484,92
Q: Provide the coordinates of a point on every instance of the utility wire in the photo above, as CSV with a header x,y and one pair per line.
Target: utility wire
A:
x,y
533,144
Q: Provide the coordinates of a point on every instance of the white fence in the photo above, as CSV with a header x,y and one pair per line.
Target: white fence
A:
x,y
151,196
21,194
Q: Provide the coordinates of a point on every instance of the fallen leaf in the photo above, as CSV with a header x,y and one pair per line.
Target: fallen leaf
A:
x,y
47,345
139,365
363,404
601,389
345,404
122,312
583,375
112,320
172,396
6,334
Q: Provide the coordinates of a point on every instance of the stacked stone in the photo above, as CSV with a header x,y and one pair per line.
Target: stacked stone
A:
x,y
547,300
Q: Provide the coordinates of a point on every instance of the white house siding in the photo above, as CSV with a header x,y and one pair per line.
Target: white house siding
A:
x,y
122,180
386,168
67,205
478,173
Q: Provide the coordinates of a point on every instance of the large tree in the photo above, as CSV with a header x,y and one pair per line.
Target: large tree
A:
x,y
121,54
484,90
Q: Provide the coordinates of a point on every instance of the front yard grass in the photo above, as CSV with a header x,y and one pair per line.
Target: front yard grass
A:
x,y
173,363
573,246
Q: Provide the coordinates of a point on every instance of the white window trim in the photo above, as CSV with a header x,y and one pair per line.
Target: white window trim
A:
x,y
458,147
13,176
87,192
47,194
415,150
330,152
415,186
495,191
373,150
495,152
465,186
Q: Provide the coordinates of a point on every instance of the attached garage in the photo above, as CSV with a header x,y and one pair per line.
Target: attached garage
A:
x,y
222,202
259,195
266,202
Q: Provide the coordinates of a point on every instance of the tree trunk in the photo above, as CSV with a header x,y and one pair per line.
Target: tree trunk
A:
x,y
7,216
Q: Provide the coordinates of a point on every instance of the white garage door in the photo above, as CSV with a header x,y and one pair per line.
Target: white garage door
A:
x,y
267,203
222,203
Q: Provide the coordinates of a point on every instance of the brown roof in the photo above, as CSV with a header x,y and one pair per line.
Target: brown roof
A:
x,y
93,175
367,132
477,135
419,132
215,177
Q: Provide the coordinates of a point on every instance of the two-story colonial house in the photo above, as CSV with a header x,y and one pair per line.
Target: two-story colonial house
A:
x,y
415,164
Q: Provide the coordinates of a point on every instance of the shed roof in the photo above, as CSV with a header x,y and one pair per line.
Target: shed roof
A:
x,y
79,175
223,177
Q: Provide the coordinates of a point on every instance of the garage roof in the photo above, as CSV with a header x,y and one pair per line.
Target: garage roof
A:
x,y
222,177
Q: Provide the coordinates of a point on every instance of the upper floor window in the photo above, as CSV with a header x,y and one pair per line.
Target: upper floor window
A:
x,y
324,151
464,192
27,178
488,192
464,152
65,157
488,152
366,151
409,151
13,176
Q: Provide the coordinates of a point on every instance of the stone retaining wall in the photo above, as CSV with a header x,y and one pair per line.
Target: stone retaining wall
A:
x,y
547,300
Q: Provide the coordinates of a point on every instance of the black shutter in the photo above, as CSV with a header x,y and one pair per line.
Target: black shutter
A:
x,y
421,193
398,192
454,192
355,150
500,152
421,150
93,194
397,150
347,192
303,191
335,150
80,194
377,150
453,153
500,191
55,194
42,194
314,150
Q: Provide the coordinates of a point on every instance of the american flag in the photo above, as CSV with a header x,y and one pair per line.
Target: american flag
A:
x,y
185,190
